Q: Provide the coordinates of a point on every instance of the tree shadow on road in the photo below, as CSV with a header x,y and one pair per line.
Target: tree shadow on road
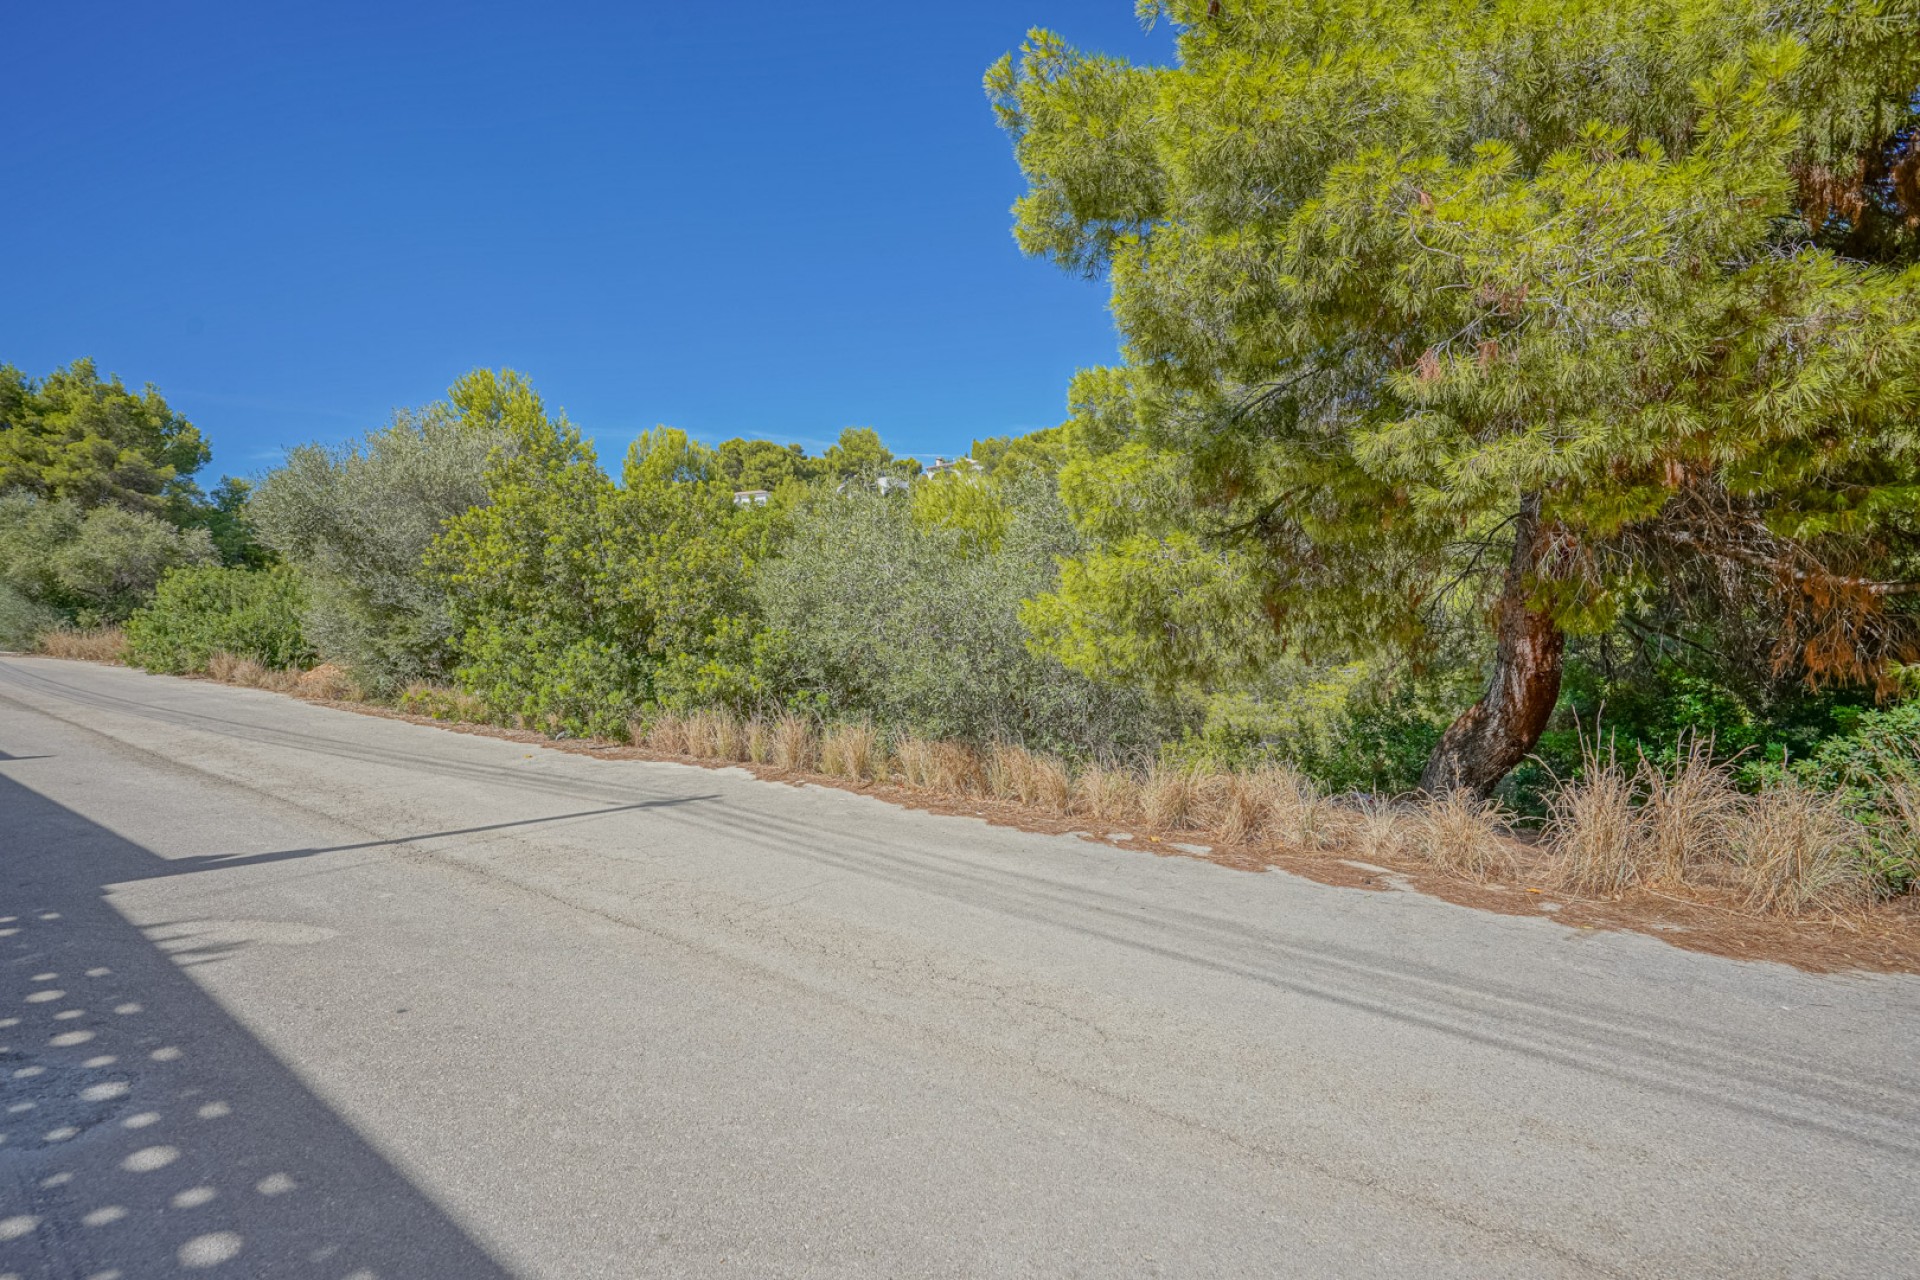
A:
x,y
210,861
144,1131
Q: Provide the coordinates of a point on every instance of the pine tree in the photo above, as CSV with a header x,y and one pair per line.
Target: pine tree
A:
x,y
1536,308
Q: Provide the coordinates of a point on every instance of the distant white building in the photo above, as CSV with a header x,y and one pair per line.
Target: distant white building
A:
x,y
750,497
942,466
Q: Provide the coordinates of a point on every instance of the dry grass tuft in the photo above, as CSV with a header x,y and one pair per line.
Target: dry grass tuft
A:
x,y
1238,807
1052,785
441,703
1797,850
250,673
1298,813
1594,829
1169,798
1899,825
796,745
666,733
1381,827
912,762
756,740
850,751
958,770
229,668
1685,815
327,682
713,735
1461,833
1106,793
1009,772
104,644
1014,773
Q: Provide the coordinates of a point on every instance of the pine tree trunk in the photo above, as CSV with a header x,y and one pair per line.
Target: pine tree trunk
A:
x,y
1498,731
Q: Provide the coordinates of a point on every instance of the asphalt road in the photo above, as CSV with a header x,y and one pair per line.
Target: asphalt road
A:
x,y
295,992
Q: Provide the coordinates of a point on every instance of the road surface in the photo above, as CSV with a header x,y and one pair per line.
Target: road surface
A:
x,y
290,991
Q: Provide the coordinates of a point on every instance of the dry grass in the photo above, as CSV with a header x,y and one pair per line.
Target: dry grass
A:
x,y
103,644
714,735
957,770
665,733
228,668
1050,784
1299,813
442,703
1685,814
1238,808
1107,794
1798,850
329,683
1460,833
1008,772
1787,850
1271,804
911,762
1380,828
757,741
1899,828
1014,773
1595,829
796,745
1169,798
851,751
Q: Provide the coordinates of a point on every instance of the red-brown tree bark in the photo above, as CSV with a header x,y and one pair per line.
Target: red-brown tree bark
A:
x,y
1497,732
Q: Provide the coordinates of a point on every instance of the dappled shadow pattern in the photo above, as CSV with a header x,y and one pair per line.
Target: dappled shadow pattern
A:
x,y
146,1133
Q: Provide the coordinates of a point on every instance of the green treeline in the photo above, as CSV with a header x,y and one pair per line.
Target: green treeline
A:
x,y
1491,379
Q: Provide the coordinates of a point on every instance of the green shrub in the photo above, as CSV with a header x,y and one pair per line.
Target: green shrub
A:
x,y
574,596
1875,770
22,620
92,567
201,611
548,677
358,519
1643,700
439,702
1359,727
916,622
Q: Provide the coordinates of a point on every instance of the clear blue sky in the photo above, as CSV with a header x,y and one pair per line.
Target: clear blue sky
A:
x,y
743,218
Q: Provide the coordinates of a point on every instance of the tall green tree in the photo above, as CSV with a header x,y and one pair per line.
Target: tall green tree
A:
x,y
576,601
859,453
357,519
75,436
762,464
1526,311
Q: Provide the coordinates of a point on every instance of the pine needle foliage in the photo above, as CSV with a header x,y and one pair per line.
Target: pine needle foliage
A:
x,y
1430,303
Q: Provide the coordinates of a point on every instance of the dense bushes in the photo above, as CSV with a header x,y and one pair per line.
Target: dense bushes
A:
x,y
910,612
98,503
577,601
1874,770
89,567
203,611
22,620
358,520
